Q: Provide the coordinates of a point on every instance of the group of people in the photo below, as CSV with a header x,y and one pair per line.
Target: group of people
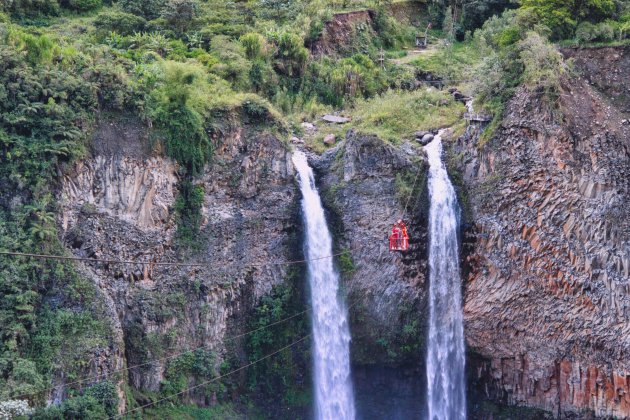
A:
x,y
399,240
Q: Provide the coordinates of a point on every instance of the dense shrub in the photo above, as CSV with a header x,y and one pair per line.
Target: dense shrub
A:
x,y
98,401
263,78
563,16
231,63
474,14
280,10
337,81
605,31
290,54
198,364
281,377
81,5
120,22
148,9
255,45
391,33
179,14
585,32
32,8
188,207
542,65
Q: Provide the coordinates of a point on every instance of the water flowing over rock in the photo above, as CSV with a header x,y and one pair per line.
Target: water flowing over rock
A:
x,y
445,353
333,386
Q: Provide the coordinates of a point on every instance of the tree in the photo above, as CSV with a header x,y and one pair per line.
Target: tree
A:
x,y
476,12
275,9
563,16
180,13
448,26
148,9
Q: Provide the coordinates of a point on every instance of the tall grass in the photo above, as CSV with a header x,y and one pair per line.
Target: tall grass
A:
x,y
394,115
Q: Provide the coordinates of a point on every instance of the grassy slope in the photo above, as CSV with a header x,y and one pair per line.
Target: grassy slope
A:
x,y
395,116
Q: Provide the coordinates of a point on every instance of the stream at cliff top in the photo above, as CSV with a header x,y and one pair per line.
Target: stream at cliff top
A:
x,y
446,391
331,350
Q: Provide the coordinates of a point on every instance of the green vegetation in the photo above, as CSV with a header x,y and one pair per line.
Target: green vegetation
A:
x,y
562,17
282,378
451,63
396,115
222,411
193,71
516,52
346,263
97,401
198,366
410,184
50,319
513,48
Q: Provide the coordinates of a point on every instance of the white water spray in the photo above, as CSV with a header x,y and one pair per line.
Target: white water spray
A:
x,y
445,353
333,385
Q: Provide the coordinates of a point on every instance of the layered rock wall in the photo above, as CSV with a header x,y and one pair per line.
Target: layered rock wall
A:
x,y
119,205
547,300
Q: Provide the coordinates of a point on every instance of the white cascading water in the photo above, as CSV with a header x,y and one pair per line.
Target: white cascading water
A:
x,y
333,386
445,352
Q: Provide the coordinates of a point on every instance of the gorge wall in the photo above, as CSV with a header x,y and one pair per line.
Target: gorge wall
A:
x,y
547,299
547,259
119,205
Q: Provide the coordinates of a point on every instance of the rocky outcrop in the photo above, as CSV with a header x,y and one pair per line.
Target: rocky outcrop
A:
x,y
413,12
386,291
139,191
606,69
341,32
346,33
547,301
119,205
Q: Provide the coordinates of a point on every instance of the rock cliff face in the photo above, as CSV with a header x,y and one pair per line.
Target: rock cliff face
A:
x,y
386,291
343,29
547,301
547,261
119,205
349,32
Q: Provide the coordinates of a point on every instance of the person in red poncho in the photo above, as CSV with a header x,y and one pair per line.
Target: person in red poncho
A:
x,y
399,241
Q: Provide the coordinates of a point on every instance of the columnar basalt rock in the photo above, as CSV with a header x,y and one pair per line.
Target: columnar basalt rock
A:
x,y
119,205
547,300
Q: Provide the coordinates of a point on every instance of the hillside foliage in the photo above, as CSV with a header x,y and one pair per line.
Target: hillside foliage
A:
x,y
189,69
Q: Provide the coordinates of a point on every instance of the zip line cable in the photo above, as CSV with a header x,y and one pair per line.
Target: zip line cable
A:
x,y
151,362
159,264
172,356
120,416
411,193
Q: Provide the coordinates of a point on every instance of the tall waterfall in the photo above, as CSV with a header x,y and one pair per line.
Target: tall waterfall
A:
x,y
333,385
445,353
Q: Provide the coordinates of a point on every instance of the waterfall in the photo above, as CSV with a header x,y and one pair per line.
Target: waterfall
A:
x,y
333,385
445,353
